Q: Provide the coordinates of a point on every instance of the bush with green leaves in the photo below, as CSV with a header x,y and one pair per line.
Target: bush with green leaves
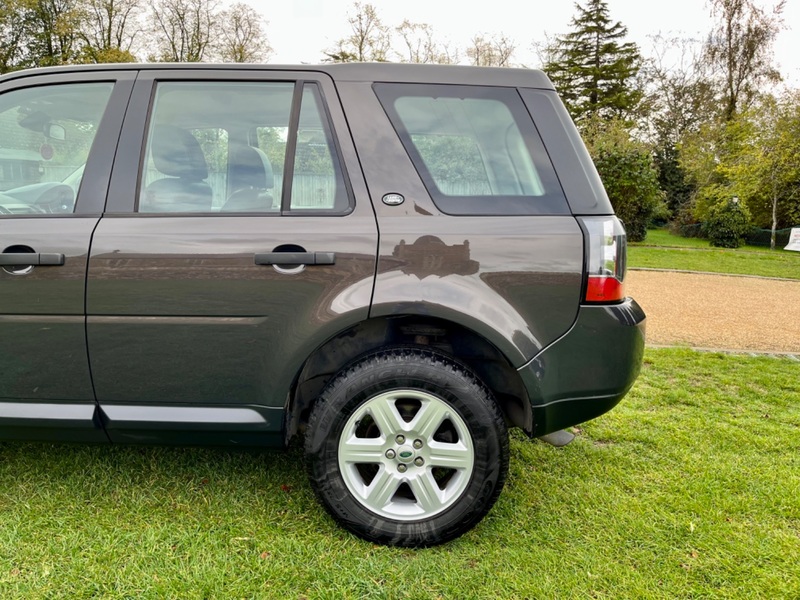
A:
x,y
629,176
728,224
685,224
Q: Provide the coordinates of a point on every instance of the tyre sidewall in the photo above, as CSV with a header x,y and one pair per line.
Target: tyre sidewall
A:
x,y
429,373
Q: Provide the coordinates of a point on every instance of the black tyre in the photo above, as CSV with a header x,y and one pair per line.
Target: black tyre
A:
x,y
407,447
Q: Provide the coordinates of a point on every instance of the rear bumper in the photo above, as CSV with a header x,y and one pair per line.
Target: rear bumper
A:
x,y
587,371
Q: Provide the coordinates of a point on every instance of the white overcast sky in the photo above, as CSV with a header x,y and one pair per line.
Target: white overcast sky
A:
x,y
299,30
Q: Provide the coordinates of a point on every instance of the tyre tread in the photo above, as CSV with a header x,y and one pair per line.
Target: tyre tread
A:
x,y
415,358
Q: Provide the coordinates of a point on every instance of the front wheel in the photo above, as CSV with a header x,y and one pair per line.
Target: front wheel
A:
x,y
407,447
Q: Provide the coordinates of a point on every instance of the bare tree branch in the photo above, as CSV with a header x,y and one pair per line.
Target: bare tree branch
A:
x,y
740,45
493,51
242,36
184,29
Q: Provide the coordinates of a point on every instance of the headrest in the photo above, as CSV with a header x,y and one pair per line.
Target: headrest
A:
x,y
250,167
177,153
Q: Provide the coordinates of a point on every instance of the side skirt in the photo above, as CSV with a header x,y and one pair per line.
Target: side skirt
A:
x,y
51,422
193,426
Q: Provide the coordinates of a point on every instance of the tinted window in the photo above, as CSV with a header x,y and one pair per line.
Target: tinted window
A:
x,y
317,181
475,148
46,134
224,146
575,168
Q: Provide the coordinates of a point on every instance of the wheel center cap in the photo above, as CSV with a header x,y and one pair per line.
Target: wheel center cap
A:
x,y
405,454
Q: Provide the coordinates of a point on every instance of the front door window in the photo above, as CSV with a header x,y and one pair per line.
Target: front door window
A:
x,y
46,134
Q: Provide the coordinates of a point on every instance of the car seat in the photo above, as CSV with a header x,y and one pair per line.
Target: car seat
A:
x,y
250,178
177,154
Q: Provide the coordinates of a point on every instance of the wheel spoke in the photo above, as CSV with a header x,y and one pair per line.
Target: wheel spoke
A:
x,y
381,490
385,415
362,450
426,491
429,418
452,456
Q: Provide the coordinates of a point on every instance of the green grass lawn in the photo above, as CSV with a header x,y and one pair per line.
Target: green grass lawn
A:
x,y
663,238
662,250
689,488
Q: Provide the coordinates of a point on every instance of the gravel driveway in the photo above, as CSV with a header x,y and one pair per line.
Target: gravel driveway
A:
x,y
718,311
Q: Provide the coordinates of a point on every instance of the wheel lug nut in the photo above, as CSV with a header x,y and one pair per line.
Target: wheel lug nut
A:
x,y
401,468
400,439
390,453
417,444
418,461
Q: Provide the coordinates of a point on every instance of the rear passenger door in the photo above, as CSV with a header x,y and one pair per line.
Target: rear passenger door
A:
x,y
233,244
486,224
58,134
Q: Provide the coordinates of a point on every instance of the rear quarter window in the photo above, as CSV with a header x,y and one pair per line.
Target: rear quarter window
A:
x,y
475,148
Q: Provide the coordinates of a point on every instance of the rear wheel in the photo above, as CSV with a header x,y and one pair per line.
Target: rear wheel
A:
x,y
407,447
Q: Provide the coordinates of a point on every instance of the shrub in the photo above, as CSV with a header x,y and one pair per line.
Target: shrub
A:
x,y
629,176
685,224
727,224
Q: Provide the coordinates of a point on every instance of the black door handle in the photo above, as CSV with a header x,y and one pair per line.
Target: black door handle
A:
x,y
296,258
30,259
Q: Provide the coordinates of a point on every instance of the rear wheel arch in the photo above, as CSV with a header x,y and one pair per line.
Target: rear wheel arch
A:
x,y
482,357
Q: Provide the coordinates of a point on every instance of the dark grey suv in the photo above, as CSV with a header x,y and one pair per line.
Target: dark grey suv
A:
x,y
400,261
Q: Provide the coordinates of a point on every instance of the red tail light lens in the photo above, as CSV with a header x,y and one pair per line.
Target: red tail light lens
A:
x,y
606,260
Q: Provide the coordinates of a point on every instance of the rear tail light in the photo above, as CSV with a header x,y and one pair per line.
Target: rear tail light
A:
x,y
606,259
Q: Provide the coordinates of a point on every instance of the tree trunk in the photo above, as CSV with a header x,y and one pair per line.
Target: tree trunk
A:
x,y
774,189
774,220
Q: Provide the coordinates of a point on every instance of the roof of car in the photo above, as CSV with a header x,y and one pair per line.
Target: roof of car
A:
x,y
363,72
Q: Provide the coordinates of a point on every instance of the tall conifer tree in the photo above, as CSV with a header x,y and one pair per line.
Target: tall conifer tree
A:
x,y
593,68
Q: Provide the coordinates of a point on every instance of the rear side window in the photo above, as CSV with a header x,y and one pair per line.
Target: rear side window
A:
x,y
476,149
241,147
316,179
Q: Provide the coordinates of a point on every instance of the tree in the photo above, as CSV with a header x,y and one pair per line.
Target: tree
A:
x,y
14,24
110,29
369,40
672,177
185,30
740,46
767,169
494,51
754,157
592,69
629,176
242,36
707,156
421,45
680,98
53,32
681,92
